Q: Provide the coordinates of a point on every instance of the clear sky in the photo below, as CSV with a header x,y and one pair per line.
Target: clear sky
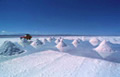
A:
x,y
84,17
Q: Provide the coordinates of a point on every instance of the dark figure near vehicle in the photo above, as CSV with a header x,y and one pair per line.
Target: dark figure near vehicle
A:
x,y
27,36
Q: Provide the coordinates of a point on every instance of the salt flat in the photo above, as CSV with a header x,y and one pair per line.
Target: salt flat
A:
x,y
71,59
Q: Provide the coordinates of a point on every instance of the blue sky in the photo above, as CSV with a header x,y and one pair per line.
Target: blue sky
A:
x,y
83,17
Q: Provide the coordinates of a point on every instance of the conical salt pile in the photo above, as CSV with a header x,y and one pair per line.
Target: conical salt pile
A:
x,y
61,45
37,43
49,39
8,48
104,49
45,40
76,42
24,42
57,41
94,41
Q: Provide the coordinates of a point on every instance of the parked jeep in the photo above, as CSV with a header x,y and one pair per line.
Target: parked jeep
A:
x,y
27,36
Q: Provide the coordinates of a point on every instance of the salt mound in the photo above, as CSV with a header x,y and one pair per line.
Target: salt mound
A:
x,y
36,43
79,40
61,45
24,42
49,39
8,48
83,38
57,41
30,41
94,41
105,49
53,38
61,39
44,41
76,42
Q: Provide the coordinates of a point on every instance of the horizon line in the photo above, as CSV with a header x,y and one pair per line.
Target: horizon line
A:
x,y
56,35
